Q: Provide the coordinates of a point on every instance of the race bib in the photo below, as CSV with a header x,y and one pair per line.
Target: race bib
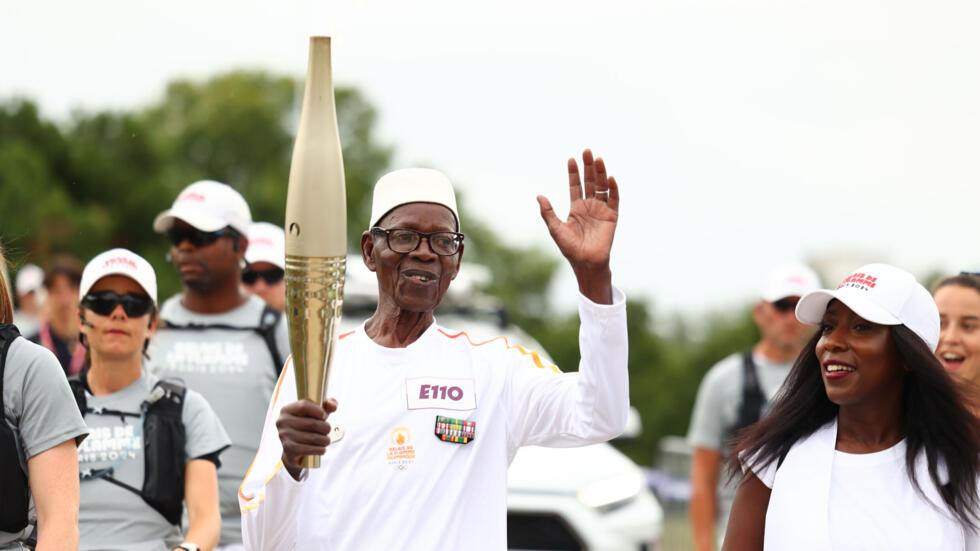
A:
x,y
440,393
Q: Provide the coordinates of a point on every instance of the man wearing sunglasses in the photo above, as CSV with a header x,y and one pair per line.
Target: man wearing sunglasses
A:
x,y
424,420
266,258
223,342
734,392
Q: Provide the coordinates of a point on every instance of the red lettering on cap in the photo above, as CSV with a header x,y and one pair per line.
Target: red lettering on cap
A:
x,y
859,280
192,196
119,260
261,241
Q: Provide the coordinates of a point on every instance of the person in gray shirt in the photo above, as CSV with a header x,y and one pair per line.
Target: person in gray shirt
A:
x,y
734,392
154,445
39,433
224,343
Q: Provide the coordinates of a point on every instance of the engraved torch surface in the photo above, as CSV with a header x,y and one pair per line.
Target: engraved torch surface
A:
x,y
314,300
316,232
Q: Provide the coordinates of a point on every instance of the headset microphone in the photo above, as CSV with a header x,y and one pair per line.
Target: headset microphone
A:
x,y
169,256
85,322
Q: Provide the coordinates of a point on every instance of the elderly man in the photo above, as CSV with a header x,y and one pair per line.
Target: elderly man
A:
x,y
425,421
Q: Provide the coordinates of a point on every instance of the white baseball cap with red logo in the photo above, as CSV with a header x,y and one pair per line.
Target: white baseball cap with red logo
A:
x,y
119,262
208,206
790,280
266,243
881,294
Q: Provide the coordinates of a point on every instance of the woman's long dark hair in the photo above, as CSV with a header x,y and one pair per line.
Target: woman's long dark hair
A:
x,y
936,418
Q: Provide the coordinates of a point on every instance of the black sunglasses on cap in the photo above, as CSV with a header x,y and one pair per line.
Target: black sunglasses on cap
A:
x,y
784,305
271,277
195,236
104,302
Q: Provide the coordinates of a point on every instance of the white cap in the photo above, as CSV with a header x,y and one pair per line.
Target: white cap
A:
x,y
208,206
119,262
412,185
790,280
29,278
881,294
266,243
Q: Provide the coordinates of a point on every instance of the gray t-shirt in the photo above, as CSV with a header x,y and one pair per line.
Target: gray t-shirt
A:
x,y
235,372
716,411
112,517
38,406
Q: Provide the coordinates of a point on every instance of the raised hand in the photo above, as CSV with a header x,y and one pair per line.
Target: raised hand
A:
x,y
586,237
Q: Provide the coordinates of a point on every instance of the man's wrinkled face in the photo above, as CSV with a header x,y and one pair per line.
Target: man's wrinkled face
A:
x,y
415,281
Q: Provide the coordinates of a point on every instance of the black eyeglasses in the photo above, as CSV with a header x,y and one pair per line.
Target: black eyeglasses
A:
x,y
785,304
271,277
196,237
402,240
104,302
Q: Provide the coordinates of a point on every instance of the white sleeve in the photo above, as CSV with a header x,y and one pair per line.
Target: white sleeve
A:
x,y
548,408
269,496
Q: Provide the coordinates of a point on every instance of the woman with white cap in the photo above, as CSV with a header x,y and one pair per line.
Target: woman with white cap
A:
x,y
958,299
869,443
266,258
154,444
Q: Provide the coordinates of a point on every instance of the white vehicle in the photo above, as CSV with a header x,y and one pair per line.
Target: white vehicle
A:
x,y
592,498
589,498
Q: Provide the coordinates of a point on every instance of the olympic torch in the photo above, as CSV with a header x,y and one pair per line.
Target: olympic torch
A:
x,y
316,233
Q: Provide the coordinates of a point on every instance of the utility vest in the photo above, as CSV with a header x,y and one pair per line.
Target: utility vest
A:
x,y
163,446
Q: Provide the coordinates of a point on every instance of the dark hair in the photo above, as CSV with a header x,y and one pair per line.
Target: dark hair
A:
x,y
63,264
936,418
964,279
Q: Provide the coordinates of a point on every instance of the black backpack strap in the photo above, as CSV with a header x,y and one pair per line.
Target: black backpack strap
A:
x,y
77,384
753,400
266,329
15,502
164,438
8,333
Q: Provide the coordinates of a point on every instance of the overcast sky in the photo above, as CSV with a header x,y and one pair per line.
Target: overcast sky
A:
x,y
743,134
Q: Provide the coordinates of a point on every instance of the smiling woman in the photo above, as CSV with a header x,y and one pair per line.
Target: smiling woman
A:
x,y
867,419
958,299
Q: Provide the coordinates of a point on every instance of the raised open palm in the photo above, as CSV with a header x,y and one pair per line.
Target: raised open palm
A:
x,y
586,237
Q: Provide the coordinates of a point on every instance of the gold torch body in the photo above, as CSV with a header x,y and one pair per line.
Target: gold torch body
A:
x,y
316,233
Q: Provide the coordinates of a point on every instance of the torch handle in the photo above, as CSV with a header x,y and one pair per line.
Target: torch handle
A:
x,y
314,300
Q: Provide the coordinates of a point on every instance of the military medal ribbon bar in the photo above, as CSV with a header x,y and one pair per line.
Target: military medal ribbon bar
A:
x,y
457,431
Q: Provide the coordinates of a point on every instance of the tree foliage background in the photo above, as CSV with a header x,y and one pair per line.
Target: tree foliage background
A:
x,y
96,181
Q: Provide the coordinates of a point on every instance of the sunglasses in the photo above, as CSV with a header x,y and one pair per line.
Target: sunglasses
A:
x,y
784,305
195,236
104,303
271,277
